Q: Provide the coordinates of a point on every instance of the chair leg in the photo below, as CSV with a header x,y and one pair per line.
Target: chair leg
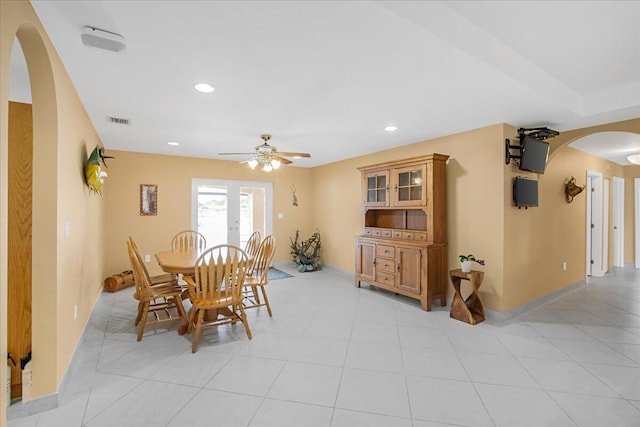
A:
x,y
196,335
266,300
243,317
143,320
192,319
256,295
139,316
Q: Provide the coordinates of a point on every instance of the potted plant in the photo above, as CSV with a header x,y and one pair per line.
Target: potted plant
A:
x,y
466,260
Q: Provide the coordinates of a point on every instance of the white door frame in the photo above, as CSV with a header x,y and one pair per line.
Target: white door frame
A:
x,y
233,203
618,221
605,225
594,216
636,216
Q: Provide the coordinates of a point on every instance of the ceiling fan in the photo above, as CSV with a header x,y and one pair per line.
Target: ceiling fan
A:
x,y
268,156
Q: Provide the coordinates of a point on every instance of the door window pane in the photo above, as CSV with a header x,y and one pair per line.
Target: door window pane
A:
x,y
252,212
212,214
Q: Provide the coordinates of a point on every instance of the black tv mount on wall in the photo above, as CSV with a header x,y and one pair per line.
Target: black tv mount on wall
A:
x,y
535,133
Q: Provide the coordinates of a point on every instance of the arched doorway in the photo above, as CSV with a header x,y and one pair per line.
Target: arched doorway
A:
x,y
44,206
605,239
19,220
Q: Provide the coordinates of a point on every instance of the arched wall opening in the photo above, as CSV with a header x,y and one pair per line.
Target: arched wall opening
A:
x,y
44,207
19,221
566,138
621,240
44,217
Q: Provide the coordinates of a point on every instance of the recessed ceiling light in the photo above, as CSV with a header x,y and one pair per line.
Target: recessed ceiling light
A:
x,y
391,128
204,88
173,143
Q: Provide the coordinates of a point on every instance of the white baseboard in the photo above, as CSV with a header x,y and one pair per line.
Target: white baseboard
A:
x,y
34,406
503,316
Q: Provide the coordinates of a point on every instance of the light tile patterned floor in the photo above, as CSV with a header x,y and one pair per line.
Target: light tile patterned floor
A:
x,y
334,355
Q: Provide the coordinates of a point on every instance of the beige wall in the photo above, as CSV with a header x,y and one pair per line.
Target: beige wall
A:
x,y
474,201
66,271
524,249
173,175
538,240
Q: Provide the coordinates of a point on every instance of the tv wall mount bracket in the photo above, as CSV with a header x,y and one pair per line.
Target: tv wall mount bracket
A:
x,y
536,133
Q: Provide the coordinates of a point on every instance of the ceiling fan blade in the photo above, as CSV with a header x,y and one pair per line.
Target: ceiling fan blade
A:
x,y
281,153
236,154
282,159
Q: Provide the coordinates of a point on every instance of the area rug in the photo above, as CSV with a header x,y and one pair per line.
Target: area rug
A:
x,y
275,274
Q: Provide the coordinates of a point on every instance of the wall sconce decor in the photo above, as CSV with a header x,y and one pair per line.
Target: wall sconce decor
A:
x,y
571,190
148,199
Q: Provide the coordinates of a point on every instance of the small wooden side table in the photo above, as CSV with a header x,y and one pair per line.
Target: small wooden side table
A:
x,y
470,310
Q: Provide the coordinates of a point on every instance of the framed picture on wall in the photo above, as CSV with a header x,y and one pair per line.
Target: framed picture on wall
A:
x,y
148,199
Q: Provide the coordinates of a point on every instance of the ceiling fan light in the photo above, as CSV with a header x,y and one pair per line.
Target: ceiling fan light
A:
x,y
634,158
252,163
267,167
275,163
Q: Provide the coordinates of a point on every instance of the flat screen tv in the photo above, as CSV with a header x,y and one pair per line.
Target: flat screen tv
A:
x,y
525,192
533,155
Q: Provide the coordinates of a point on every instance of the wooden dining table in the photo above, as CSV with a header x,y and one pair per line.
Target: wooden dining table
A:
x,y
184,262
178,262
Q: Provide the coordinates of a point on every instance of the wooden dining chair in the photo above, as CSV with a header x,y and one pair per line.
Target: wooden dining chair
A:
x,y
251,248
158,300
258,275
188,240
155,280
217,286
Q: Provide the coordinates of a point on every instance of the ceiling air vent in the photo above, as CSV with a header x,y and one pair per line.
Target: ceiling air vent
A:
x,y
118,120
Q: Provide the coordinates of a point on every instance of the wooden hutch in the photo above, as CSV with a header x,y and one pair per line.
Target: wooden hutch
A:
x,y
403,246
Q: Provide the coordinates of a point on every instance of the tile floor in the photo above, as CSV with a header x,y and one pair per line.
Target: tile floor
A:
x,y
334,355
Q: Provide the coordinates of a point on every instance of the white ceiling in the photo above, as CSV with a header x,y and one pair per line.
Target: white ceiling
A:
x,y
327,77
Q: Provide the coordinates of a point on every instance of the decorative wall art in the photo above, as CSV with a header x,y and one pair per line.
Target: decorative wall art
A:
x,y
148,199
571,189
293,196
93,172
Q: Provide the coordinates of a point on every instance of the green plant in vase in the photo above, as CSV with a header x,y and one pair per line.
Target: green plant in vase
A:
x,y
466,262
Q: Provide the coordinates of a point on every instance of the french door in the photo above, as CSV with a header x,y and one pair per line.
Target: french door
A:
x,y
227,211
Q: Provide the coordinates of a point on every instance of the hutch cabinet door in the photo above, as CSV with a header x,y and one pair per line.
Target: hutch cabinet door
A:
x,y
376,188
409,267
365,261
410,187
